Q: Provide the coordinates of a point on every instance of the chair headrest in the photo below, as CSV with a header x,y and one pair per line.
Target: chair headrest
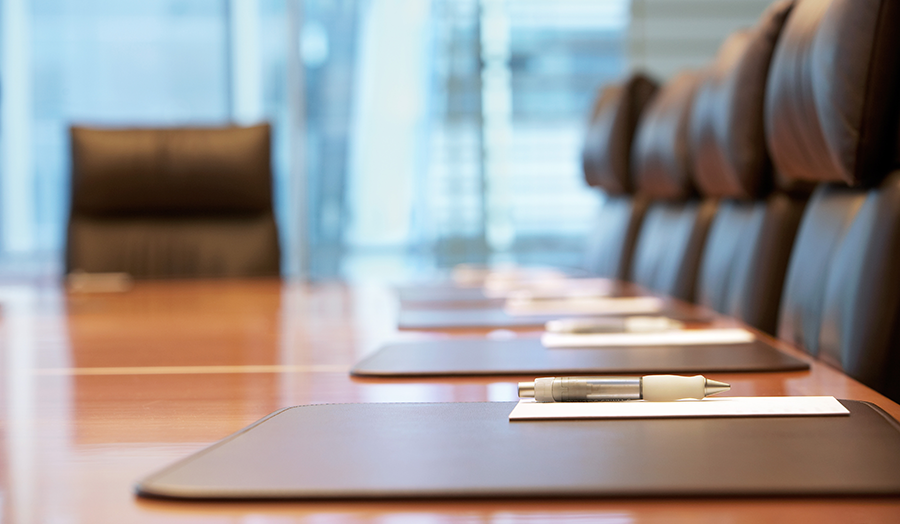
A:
x,y
727,136
661,156
171,170
606,156
831,100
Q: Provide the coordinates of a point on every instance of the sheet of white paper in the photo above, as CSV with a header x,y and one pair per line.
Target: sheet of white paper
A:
x,y
504,274
555,288
528,409
683,337
585,306
514,279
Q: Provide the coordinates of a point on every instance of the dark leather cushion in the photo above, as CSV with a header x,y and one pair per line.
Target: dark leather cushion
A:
x,y
831,99
607,146
611,245
862,294
661,155
842,295
746,257
828,215
670,246
128,172
182,247
727,137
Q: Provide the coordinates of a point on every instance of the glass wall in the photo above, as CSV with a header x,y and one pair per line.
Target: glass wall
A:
x,y
496,112
421,133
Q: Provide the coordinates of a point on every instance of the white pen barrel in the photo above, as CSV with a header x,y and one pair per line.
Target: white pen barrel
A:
x,y
672,387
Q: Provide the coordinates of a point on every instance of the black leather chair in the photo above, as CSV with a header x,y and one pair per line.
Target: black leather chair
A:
x,y
831,116
750,240
670,243
179,202
606,160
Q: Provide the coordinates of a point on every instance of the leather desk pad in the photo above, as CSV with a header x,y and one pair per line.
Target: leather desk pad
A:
x,y
526,356
437,294
471,450
448,296
496,318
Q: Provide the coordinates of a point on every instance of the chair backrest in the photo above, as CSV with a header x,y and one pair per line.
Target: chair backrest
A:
x,y
606,155
172,202
670,244
831,118
606,159
750,240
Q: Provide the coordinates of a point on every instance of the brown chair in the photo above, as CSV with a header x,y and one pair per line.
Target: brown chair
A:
x,y
831,117
670,244
750,240
179,202
606,159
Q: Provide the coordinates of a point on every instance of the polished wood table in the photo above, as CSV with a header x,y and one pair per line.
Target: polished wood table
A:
x,y
99,390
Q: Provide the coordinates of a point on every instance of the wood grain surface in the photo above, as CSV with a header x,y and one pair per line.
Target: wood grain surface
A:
x,y
98,390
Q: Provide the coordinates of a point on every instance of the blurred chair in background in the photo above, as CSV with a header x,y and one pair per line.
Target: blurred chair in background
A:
x,y
670,244
172,202
606,161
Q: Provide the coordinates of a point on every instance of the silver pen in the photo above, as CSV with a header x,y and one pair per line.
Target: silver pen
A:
x,y
650,387
637,323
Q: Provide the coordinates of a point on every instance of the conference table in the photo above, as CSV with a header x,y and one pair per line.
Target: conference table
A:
x,y
98,390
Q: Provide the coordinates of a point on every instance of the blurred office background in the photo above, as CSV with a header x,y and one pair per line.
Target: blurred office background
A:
x,y
410,135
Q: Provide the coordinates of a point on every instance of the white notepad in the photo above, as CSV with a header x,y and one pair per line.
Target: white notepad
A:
x,y
528,409
585,306
682,337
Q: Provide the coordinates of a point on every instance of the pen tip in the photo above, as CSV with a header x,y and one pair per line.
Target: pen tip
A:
x,y
714,386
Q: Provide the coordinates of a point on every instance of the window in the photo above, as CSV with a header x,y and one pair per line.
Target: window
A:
x,y
427,132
